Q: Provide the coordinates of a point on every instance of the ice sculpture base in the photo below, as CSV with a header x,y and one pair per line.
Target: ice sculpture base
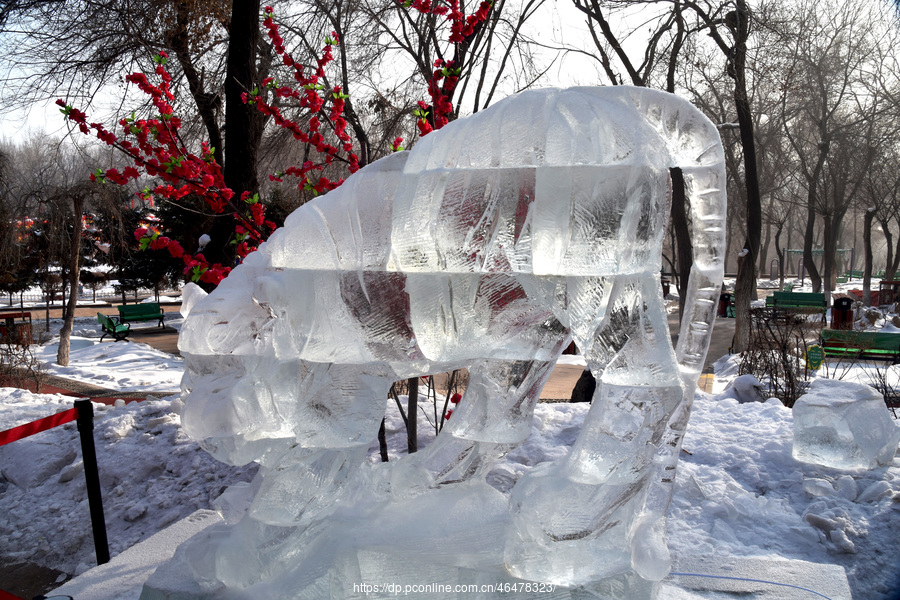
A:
x,y
121,578
400,577
755,578
746,579
446,544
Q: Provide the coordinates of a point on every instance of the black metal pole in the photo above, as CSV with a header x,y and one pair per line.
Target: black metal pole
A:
x,y
85,422
412,416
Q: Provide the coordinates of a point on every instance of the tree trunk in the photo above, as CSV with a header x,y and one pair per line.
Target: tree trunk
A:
x,y
808,261
242,127
889,246
834,228
780,256
63,279
867,245
65,334
745,286
764,250
744,293
729,237
681,233
893,253
829,246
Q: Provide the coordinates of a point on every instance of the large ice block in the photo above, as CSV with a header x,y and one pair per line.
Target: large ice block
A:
x,y
844,425
492,244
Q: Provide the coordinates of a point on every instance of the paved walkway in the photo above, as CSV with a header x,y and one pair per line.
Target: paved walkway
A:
x,y
563,378
77,389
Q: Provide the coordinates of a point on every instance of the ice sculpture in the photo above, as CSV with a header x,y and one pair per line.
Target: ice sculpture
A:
x,y
844,425
490,245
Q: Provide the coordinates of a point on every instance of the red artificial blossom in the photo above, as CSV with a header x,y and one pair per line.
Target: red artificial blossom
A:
x,y
155,146
307,95
454,399
156,149
445,76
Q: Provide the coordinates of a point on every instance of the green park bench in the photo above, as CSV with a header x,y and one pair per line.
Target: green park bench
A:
x,y
798,302
112,326
145,311
855,345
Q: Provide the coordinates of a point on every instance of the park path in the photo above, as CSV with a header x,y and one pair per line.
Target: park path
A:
x,y
563,378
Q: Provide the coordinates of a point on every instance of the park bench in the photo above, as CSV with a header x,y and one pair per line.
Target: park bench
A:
x,y
112,326
798,302
855,345
145,311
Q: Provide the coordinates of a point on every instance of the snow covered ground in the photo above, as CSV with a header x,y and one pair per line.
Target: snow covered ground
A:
x,y
739,492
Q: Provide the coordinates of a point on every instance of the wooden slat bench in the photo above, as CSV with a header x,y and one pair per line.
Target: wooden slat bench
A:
x,y
112,326
802,302
855,345
145,311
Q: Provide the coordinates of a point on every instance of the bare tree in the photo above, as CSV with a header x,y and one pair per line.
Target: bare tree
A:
x,y
494,61
47,179
74,49
656,63
829,112
881,202
729,26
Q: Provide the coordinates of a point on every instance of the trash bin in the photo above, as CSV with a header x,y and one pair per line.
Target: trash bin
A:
x,y
724,303
15,328
842,313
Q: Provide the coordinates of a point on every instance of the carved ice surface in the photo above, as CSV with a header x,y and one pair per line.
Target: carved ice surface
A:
x,y
844,425
490,245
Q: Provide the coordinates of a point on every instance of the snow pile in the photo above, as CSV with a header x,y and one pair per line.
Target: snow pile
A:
x,y
150,474
741,493
125,366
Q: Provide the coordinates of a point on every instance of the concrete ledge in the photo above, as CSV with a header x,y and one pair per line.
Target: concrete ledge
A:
x,y
759,578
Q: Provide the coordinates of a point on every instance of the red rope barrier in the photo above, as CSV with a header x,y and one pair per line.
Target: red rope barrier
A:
x,y
23,431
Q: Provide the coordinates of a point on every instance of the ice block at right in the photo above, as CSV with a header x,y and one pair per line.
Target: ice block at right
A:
x,y
844,425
